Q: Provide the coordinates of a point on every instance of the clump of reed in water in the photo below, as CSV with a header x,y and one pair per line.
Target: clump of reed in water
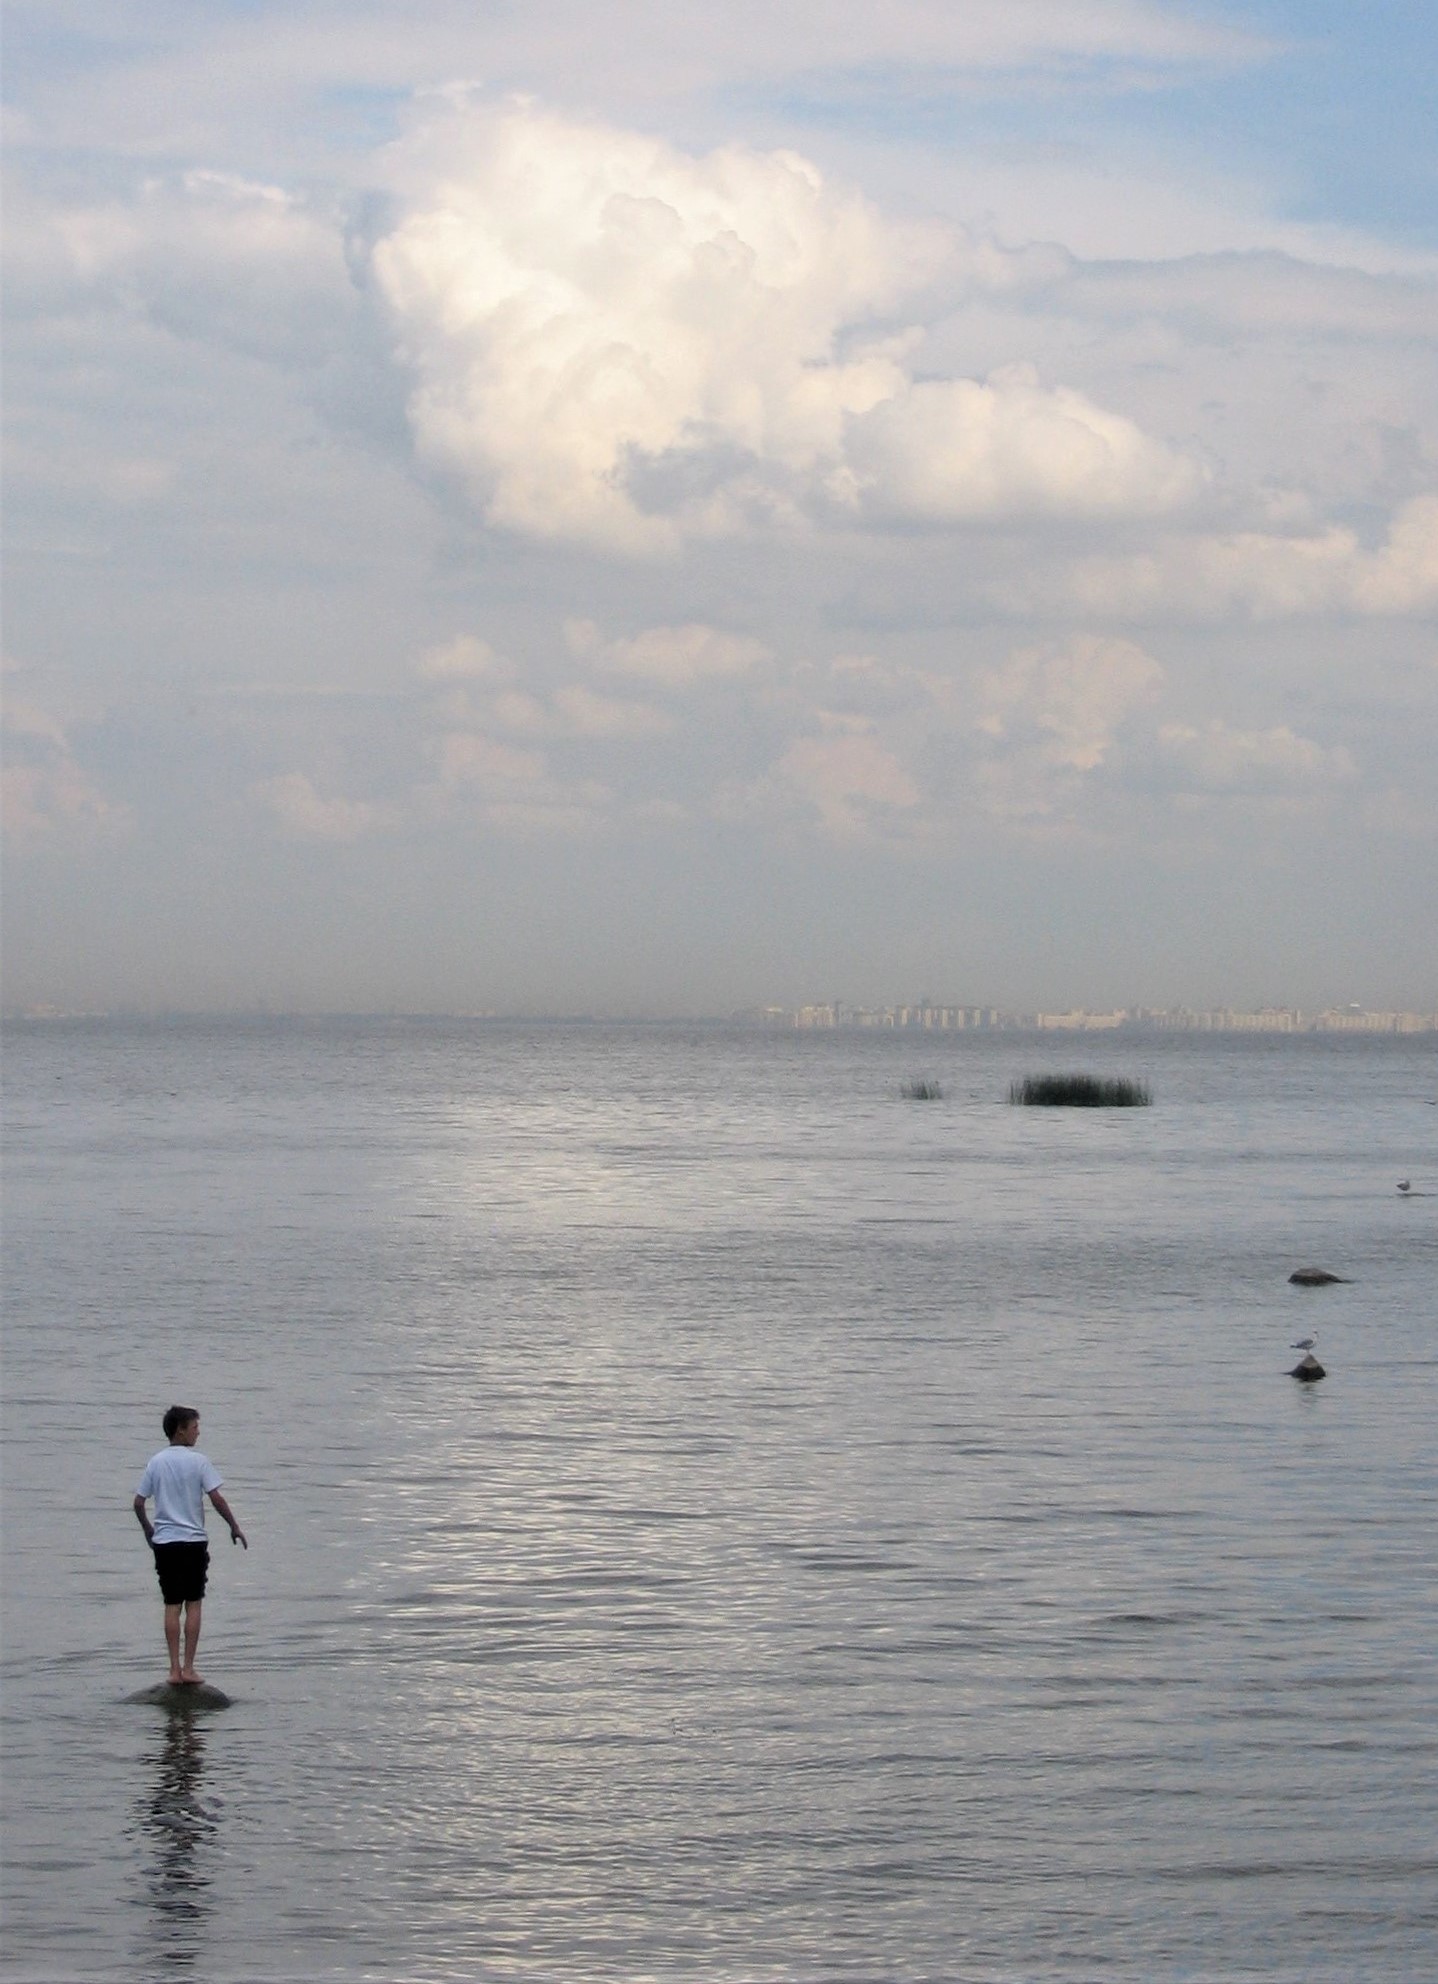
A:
x,y
1080,1092
922,1092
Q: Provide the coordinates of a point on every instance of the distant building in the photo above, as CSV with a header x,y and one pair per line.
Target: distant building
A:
x,y
930,1018
1352,1019
817,1016
1269,1019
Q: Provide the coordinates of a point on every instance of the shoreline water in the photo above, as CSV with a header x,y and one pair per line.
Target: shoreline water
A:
x,y
711,1517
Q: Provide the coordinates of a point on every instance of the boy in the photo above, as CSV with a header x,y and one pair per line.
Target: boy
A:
x,y
179,1477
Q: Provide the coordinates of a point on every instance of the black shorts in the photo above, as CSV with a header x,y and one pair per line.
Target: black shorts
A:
x,y
182,1569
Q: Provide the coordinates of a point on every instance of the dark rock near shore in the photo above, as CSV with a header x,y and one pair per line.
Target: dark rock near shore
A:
x,y
1315,1277
1309,1371
181,1697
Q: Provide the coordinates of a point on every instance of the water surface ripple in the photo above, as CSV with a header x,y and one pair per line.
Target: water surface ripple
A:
x,y
713,1519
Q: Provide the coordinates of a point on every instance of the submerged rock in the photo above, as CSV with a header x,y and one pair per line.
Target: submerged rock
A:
x,y
1309,1371
182,1697
1315,1277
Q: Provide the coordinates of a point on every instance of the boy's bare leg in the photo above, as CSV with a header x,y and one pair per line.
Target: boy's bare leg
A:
x,y
172,1640
192,1640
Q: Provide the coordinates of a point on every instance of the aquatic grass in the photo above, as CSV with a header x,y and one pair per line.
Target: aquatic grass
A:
x,y
1080,1092
922,1091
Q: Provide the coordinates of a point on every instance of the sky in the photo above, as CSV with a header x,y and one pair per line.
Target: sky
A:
x,y
664,508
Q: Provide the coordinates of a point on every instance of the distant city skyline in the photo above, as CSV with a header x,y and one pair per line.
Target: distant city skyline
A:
x,y
1223,1019
515,512
837,1015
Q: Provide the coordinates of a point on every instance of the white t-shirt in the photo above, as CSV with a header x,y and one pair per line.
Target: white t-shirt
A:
x,y
179,1478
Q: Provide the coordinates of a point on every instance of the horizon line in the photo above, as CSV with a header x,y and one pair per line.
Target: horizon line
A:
x,y
808,1015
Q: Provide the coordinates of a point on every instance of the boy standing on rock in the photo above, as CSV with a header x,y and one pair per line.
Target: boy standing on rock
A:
x,y
178,1478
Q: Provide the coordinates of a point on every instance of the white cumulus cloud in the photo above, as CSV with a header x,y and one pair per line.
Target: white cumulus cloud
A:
x,y
208,255
851,782
512,789
307,814
575,710
44,788
1064,702
960,450
614,343
1219,758
668,657
469,757
465,659
1264,576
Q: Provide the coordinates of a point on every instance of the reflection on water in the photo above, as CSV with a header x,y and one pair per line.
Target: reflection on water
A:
x,y
181,1829
713,1520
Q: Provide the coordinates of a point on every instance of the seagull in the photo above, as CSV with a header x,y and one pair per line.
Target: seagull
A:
x,y
1305,1342
1405,1184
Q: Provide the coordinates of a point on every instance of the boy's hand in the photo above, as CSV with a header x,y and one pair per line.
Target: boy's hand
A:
x,y
237,1535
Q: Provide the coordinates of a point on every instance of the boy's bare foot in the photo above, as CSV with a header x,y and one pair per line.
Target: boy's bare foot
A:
x,y
192,1679
174,1678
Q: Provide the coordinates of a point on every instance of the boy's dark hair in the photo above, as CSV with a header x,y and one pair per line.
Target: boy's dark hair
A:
x,y
176,1417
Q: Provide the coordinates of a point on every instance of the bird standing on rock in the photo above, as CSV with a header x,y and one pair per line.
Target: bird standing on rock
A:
x,y
1307,1370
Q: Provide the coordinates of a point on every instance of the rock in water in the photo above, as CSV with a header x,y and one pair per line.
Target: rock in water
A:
x,y
1315,1277
1309,1371
182,1697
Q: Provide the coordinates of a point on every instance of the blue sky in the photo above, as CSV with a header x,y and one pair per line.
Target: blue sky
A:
x,y
719,506
1332,104
1340,118
1332,110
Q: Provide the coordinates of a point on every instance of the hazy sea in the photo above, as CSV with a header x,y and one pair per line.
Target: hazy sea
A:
x,y
713,1519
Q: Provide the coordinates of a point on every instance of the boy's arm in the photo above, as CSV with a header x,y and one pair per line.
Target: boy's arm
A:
x,y
237,1535
144,1520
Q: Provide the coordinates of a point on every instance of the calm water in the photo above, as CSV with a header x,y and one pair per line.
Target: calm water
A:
x,y
714,1520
